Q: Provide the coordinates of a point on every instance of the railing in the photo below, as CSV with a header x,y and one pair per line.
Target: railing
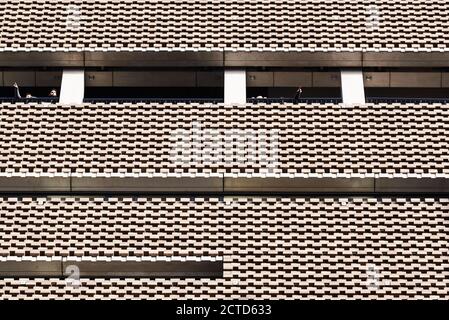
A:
x,y
27,100
406,100
118,100
291,100
155,100
215,100
339,100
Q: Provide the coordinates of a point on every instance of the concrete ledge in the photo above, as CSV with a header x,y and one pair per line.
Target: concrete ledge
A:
x,y
221,58
292,59
412,185
41,59
300,185
150,185
146,268
217,185
405,59
13,269
102,269
154,59
34,184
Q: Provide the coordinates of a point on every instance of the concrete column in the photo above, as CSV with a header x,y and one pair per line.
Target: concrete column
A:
x,y
72,86
235,86
352,88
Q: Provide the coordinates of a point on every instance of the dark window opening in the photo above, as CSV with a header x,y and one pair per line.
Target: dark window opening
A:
x,y
284,94
106,269
407,93
154,94
7,93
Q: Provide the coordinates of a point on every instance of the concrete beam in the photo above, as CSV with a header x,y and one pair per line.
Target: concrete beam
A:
x,y
154,59
148,185
412,185
220,58
29,269
406,59
221,185
41,59
299,185
34,184
136,269
292,59
66,267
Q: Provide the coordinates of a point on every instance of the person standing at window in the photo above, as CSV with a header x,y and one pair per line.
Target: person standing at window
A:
x,y
297,95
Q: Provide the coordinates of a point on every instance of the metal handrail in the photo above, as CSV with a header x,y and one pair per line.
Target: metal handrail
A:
x,y
406,100
291,100
36,99
158,100
215,100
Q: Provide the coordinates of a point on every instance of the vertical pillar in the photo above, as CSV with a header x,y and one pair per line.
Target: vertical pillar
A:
x,y
72,86
235,86
352,88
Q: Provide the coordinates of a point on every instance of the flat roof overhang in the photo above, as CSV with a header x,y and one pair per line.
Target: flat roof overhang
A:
x,y
221,58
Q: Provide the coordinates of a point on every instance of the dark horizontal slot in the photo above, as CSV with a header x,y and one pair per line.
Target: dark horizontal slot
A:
x,y
30,269
34,184
299,185
106,269
155,185
153,100
220,186
291,100
148,269
412,185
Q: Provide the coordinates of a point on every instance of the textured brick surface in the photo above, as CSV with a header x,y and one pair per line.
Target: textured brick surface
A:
x,y
316,140
271,247
310,25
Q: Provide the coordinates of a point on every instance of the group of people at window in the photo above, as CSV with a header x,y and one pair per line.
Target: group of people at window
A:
x,y
53,93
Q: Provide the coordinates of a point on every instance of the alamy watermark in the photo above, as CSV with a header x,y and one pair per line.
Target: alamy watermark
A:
x,y
73,276
74,18
373,18
199,145
373,280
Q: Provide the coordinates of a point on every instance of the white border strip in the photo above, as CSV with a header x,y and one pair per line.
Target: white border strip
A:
x,y
228,49
224,175
111,259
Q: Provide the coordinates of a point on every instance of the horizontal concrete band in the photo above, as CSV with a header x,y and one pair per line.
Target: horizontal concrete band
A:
x,y
220,58
30,269
412,185
299,185
35,184
337,185
100,184
217,185
105,269
151,185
